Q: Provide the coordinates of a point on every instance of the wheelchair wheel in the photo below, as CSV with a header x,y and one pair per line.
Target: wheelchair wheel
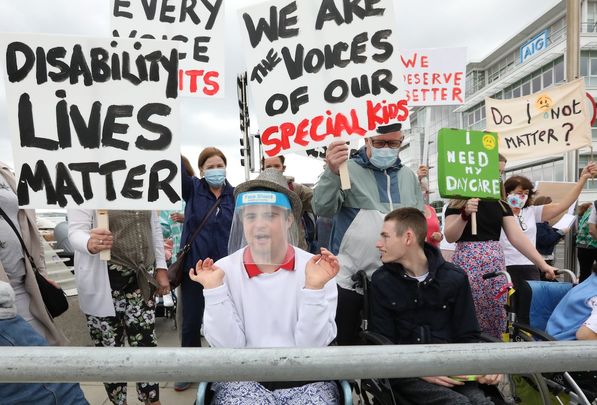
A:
x,y
537,381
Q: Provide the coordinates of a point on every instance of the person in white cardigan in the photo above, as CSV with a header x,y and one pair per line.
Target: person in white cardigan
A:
x,y
269,292
117,296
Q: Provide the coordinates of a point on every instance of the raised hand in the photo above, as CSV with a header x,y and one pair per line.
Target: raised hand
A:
x,y
206,274
320,269
336,154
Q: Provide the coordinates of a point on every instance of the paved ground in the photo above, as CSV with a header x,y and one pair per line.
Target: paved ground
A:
x,y
73,324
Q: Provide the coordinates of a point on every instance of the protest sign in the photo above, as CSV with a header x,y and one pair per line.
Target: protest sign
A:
x,y
198,29
93,121
435,76
468,164
546,123
321,71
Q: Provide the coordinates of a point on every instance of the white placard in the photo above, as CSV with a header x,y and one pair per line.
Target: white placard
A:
x,y
435,76
198,29
321,71
94,122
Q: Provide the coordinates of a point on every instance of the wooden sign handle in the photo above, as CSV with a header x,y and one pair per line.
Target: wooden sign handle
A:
x,y
344,177
104,223
474,223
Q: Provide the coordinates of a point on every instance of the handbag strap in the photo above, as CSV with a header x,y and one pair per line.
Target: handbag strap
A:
x,y
12,225
202,224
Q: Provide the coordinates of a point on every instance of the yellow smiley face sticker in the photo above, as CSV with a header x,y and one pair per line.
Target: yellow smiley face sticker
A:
x,y
488,142
543,103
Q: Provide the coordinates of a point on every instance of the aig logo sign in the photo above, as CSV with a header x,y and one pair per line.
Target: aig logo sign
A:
x,y
537,44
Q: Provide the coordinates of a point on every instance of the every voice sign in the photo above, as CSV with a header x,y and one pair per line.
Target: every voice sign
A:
x,y
468,164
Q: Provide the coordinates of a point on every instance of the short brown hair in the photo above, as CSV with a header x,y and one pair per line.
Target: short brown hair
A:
x,y
523,182
502,158
409,218
281,157
209,152
542,200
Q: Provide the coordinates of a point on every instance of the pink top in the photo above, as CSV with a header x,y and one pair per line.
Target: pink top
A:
x,y
432,225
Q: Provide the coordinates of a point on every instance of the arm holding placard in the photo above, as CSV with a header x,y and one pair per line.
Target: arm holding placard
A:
x,y
552,210
161,272
519,240
455,224
328,196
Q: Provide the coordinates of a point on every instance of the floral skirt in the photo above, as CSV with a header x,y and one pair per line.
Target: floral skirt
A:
x,y
478,258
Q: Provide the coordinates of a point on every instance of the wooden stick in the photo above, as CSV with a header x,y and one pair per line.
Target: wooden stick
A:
x,y
344,177
474,223
103,222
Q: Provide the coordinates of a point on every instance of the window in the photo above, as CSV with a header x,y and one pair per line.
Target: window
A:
x,y
516,92
547,78
508,94
584,65
536,83
526,88
558,70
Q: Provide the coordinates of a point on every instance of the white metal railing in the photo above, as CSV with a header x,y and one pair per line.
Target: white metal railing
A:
x,y
58,364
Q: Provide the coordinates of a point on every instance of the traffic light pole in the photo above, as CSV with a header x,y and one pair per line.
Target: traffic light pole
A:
x,y
243,105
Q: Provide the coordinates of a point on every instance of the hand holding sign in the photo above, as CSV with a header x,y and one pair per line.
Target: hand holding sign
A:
x,y
468,168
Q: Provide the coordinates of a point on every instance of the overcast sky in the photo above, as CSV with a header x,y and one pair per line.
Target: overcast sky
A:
x,y
481,26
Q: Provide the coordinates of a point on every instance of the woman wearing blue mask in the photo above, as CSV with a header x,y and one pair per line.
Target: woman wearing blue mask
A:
x,y
519,196
211,240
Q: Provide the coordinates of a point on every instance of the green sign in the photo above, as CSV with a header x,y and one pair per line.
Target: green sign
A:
x,y
468,164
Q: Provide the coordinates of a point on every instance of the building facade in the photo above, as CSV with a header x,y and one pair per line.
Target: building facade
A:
x,y
530,61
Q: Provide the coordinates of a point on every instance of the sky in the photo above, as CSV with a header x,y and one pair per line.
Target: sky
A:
x,y
481,26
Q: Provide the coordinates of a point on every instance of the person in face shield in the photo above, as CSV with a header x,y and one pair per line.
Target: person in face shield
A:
x,y
379,184
269,292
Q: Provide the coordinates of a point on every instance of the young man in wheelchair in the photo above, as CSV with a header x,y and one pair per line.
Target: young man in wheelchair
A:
x,y
268,292
415,298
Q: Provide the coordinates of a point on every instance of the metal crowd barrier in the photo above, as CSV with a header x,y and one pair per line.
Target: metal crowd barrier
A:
x,y
62,364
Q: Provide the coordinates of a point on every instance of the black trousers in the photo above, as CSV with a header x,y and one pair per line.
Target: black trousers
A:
x,y
348,317
586,258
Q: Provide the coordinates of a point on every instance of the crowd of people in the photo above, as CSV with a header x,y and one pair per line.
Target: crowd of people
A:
x,y
259,274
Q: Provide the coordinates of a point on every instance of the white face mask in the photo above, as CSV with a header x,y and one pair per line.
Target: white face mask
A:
x,y
383,158
517,200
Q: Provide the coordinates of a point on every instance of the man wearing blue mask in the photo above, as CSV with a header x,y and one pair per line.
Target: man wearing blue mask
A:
x,y
379,184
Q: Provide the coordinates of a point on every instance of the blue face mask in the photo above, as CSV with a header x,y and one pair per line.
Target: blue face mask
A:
x,y
383,158
215,177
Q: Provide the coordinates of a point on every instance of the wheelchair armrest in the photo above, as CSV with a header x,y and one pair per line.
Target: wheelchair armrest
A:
x,y
536,333
375,338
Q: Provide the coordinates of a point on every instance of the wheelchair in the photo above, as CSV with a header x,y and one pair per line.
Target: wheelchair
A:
x,y
205,394
527,320
379,391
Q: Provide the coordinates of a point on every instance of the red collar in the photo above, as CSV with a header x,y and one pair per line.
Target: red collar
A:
x,y
253,270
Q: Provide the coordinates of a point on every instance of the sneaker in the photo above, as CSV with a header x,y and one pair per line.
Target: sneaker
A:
x,y
181,386
168,301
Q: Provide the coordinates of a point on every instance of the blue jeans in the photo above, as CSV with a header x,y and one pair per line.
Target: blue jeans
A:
x,y
17,332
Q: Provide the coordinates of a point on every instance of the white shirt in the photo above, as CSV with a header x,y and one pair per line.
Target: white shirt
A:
x,y
527,219
269,310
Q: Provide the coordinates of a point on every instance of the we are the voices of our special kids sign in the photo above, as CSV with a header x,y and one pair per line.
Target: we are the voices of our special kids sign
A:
x,y
549,122
198,29
468,164
322,70
93,121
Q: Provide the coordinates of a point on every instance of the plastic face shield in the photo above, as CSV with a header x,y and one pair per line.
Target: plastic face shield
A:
x,y
264,223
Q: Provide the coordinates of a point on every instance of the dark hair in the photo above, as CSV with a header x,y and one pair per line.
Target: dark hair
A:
x,y
281,157
523,182
187,165
386,129
542,200
582,208
209,152
409,218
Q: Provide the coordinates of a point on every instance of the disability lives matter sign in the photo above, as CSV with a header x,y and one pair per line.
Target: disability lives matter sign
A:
x,y
468,164
322,70
197,26
93,121
434,76
552,121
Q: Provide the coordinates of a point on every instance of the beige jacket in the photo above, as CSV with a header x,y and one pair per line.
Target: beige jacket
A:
x,y
32,240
